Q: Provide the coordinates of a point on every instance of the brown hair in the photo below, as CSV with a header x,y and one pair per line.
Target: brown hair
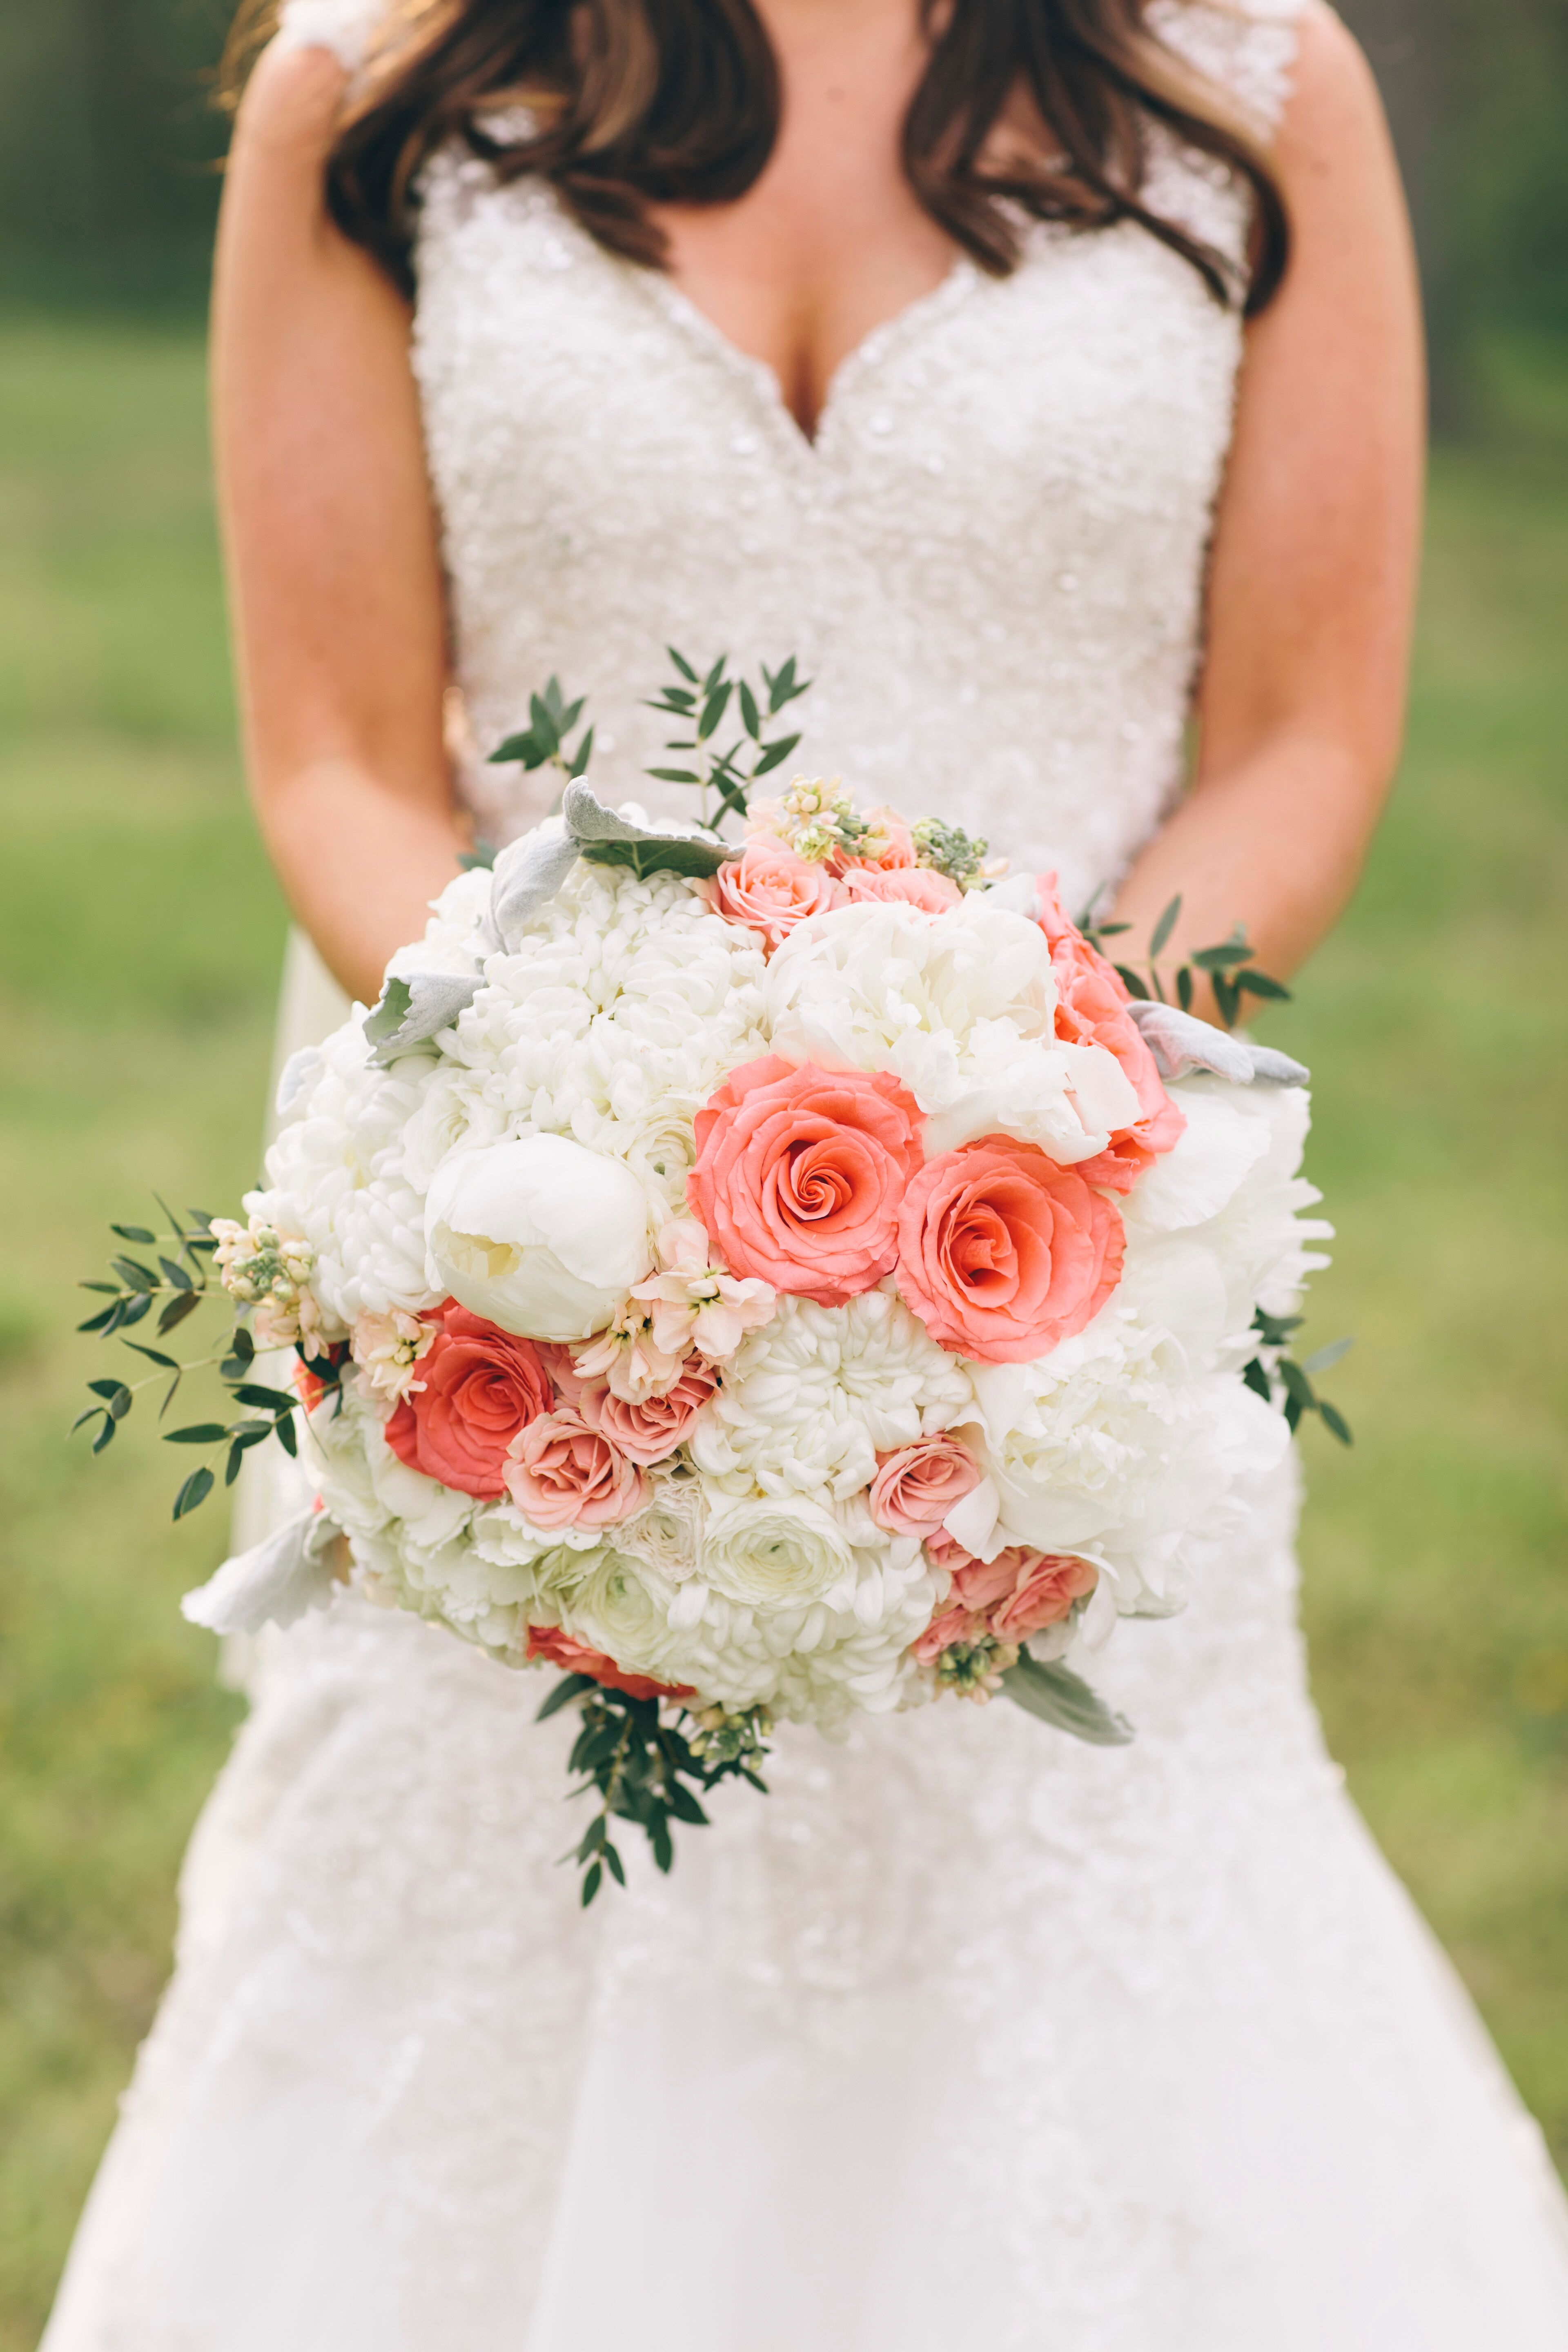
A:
x,y
678,100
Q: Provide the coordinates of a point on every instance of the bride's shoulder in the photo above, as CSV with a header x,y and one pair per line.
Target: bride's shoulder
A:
x,y
1253,51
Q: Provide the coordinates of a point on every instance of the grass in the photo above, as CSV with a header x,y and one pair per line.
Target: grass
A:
x,y
139,941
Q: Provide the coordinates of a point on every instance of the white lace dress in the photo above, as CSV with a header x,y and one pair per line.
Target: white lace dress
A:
x,y
969,2035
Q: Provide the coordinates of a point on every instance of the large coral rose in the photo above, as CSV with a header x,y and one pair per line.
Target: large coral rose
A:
x,y
577,1658
800,1174
1092,1009
479,1389
769,888
1002,1254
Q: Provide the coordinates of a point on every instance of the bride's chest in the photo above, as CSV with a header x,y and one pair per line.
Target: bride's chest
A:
x,y
576,406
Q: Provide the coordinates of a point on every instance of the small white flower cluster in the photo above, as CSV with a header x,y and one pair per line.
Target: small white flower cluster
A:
x,y
529,1164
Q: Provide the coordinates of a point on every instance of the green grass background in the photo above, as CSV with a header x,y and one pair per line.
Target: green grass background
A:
x,y
139,942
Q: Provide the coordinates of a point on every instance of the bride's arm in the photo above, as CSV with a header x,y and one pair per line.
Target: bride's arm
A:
x,y
1312,578
331,543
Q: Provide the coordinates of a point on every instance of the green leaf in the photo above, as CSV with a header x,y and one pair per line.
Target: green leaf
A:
x,y
1293,1414
174,1275
105,1435
585,752
591,1883
1226,999
1185,987
1257,983
267,1400
713,710
165,1363
1165,926
174,1313
198,1433
195,1490
82,1419
1327,1357
714,675
116,1395
674,775
1222,959
613,1864
102,1322
480,859
286,1438
1254,1378
682,664
236,1457
135,1233
671,855
564,1694
750,717
1296,1384
662,1845
133,1276
1132,981
1336,1422
774,756
131,1310
1063,1699
242,1345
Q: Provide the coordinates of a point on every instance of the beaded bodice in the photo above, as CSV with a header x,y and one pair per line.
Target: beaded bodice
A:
x,y
990,560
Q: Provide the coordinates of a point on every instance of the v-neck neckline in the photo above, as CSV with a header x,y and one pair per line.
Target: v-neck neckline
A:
x,y
962,278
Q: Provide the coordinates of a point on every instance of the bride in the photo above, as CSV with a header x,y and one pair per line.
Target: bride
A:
x,y
1043,374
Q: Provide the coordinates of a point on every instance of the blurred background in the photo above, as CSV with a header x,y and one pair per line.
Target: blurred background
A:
x,y
140,937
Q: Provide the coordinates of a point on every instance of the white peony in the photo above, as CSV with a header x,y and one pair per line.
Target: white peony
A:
x,y
538,1236
961,1007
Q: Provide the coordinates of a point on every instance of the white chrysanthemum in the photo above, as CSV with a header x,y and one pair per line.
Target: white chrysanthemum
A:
x,y
454,938
961,1007
812,1398
336,1175
622,1009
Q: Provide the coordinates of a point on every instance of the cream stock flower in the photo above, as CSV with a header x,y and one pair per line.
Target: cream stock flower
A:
x,y
693,1304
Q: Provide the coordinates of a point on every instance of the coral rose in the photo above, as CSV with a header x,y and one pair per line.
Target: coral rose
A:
x,y
769,888
800,1174
650,1430
479,1389
955,1624
1002,1254
577,1658
915,1488
917,886
1092,1009
564,1474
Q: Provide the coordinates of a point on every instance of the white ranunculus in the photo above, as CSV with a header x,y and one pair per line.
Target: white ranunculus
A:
x,y
775,1555
616,1610
539,1235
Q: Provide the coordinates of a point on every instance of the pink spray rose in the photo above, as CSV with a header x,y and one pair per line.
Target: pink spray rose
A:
x,y
1004,1599
479,1389
916,885
650,1430
770,889
1092,1010
915,1487
577,1658
563,1473
800,1173
1002,1254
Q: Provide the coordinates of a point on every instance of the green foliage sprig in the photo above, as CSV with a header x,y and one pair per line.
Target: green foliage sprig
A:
x,y
700,702
543,742
1229,967
1274,1371
183,1282
650,1770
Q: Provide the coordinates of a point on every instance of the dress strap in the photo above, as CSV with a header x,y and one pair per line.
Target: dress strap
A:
x,y
1246,48
347,28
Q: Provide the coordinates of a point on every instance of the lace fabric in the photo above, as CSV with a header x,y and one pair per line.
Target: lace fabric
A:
x,y
968,2034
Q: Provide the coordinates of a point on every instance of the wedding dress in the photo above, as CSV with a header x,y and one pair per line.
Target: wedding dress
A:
x,y
968,2035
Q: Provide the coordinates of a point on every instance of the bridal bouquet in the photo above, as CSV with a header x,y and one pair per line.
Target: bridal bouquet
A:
x,y
791,1278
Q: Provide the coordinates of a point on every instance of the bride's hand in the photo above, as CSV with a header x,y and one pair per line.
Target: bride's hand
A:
x,y
334,569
